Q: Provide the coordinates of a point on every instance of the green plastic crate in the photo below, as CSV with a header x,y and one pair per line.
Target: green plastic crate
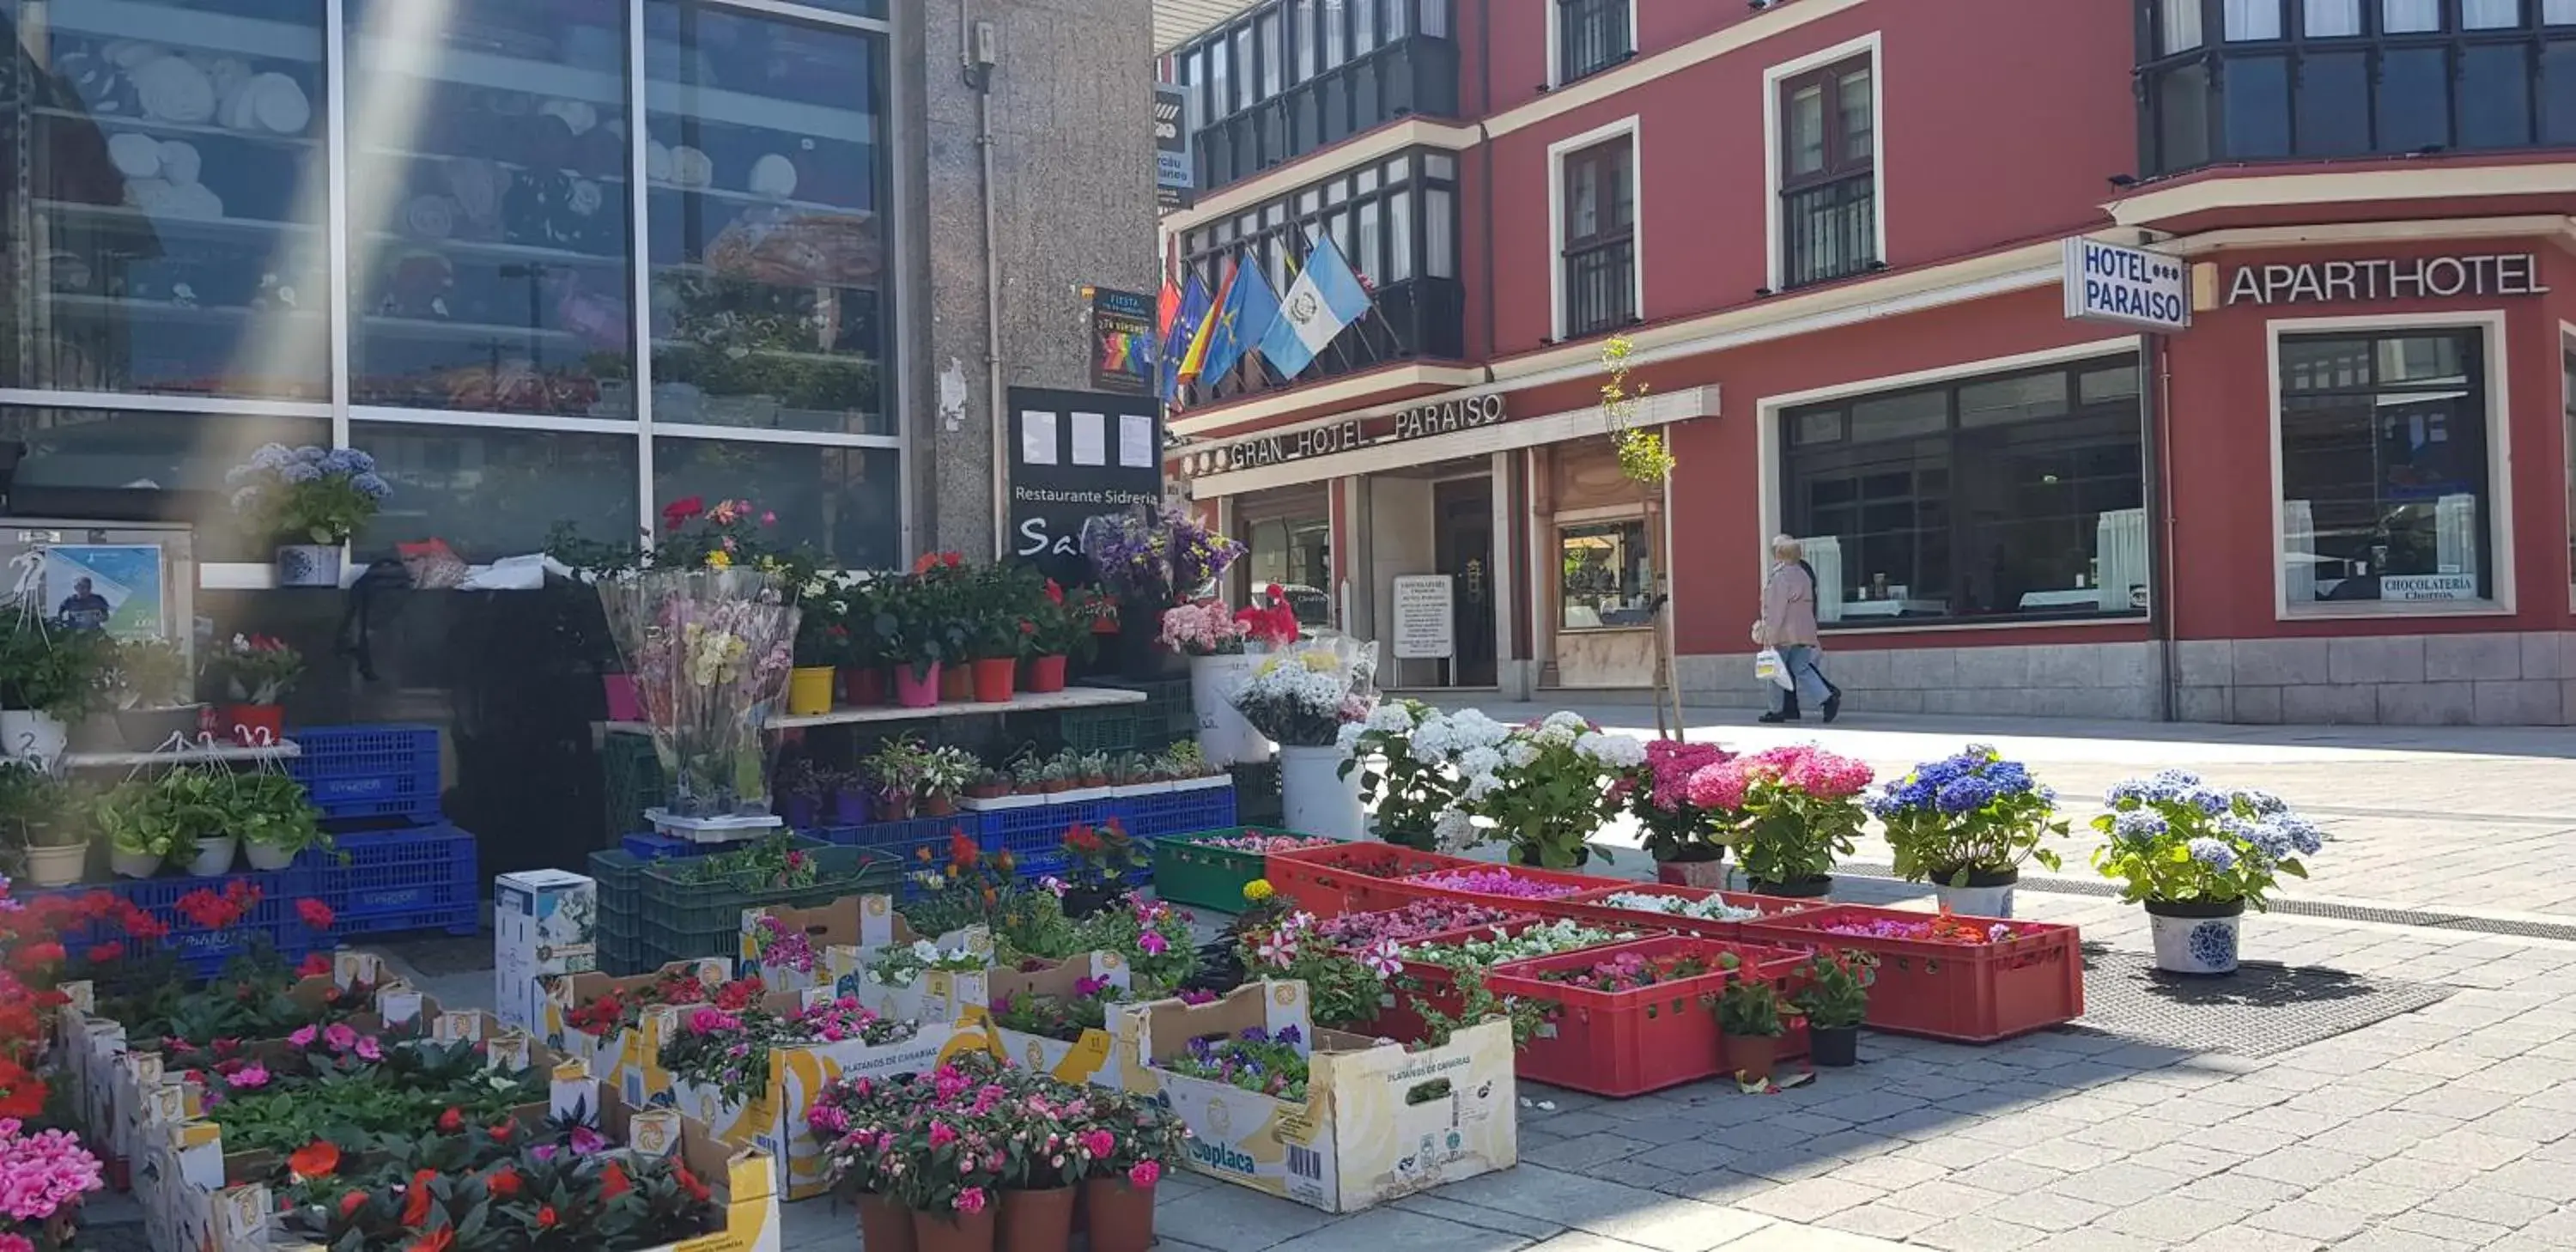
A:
x,y
621,882
1188,871
634,782
685,918
1166,714
1115,728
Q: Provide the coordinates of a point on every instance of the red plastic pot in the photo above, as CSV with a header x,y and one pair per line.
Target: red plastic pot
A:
x,y
957,683
256,725
864,687
916,689
993,679
1046,673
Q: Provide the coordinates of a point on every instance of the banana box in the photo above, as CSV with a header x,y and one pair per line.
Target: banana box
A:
x,y
618,1058
1377,1122
1092,1057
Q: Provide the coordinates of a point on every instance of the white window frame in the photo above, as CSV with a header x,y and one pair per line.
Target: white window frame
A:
x,y
1775,75
2496,385
1556,154
1556,41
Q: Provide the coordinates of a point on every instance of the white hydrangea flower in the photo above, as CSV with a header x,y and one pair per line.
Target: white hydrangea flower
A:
x,y
1566,721
1481,786
1453,831
1390,719
1474,729
1521,753
1615,751
1479,761
1347,738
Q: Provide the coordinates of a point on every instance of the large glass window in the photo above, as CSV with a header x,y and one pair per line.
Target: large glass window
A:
x,y
1828,173
491,493
1598,249
1294,554
488,207
1283,78
1604,574
2384,476
768,299
2010,496
1591,36
163,203
846,502
2352,77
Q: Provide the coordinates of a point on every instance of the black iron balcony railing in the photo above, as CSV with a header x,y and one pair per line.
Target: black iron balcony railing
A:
x,y
1591,36
1414,75
1600,287
1829,230
1425,318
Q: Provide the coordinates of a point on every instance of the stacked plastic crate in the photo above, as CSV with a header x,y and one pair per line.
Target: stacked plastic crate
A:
x,y
398,864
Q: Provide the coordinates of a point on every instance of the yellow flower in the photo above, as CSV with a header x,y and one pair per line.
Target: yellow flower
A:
x,y
719,559
1257,890
1320,661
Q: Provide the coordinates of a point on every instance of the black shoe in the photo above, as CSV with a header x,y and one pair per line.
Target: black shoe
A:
x,y
1777,718
1833,707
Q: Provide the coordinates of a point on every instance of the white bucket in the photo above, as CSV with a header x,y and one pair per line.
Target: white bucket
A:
x,y
1225,738
1976,901
1314,801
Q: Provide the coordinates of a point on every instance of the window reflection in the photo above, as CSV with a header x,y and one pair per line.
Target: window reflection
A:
x,y
174,199
492,493
846,502
488,207
768,253
1602,575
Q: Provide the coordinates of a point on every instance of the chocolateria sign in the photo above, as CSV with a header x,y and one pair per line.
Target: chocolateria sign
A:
x,y
1352,434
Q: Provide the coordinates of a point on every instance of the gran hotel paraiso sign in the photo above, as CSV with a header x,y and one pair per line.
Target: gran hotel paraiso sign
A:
x,y
1352,434
2414,278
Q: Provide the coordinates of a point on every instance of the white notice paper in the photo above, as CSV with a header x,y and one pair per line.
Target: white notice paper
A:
x,y
1135,441
1090,439
1037,437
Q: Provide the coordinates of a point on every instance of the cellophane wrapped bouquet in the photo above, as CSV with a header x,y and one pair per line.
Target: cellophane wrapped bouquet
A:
x,y
1302,697
710,650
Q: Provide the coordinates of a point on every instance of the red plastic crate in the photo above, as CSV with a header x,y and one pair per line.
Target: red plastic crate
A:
x,y
1588,907
1970,993
1320,880
1391,892
1436,979
1625,1043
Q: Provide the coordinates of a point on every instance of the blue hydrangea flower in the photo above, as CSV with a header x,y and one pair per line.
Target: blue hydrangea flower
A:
x,y
1966,795
2263,803
2137,825
2208,800
362,462
372,486
2213,853
310,454
301,473
271,456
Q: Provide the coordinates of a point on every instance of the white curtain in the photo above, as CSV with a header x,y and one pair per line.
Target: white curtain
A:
x,y
2405,16
2120,550
2181,26
2455,534
2330,19
2253,19
2298,552
2490,14
1826,553
2558,12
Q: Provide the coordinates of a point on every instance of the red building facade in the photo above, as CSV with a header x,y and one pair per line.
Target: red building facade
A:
x,y
1831,233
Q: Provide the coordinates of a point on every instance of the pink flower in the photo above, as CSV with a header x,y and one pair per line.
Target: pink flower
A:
x,y
970,1200
340,1037
16,1243
369,1049
941,1135
249,1077
828,1118
1144,1174
1099,1143
586,1141
1496,882
303,1036
1153,943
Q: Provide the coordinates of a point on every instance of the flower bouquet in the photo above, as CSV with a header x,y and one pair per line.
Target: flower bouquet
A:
x,y
1967,822
1791,811
1302,698
1203,628
1151,560
309,501
710,651
2196,856
1552,787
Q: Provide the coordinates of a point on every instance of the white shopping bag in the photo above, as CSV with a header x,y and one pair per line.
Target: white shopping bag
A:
x,y
1767,666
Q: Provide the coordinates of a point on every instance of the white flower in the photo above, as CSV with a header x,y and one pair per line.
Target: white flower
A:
x,y
1348,738
1569,721
1479,761
1390,719
1454,831
1559,736
923,949
1481,786
1521,753
1616,751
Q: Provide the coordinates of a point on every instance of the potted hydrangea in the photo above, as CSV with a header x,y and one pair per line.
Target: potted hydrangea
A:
x,y
1683,838
1791,811
1556,787
1415,764
1967,822
2195,856
309,501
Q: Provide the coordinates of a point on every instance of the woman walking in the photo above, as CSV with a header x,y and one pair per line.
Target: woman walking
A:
x,y
1788,626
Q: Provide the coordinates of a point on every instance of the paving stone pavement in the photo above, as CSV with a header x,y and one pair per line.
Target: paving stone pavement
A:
x,y
2446,1128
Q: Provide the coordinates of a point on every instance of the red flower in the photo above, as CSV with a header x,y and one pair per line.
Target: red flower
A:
x,y
315,913
22,1094
502,1132
315,966
417,1199
318,1159
613,1183
97,905
505,1184
1054,593
351,1203
678,512
106,953
689,1183
36,957
922,563
546,1217
962,851
439,1240
451,1121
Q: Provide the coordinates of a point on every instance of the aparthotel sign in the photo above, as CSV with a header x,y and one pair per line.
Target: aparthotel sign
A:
x,y
2413,278
1439,418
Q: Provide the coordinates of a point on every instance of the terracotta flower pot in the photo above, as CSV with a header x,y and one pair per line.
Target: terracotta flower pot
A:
x,y
1750,1056
954,1232
885,1225
935,806
1046,673
992,679
863,686
1118,1215
957,683
1037,1221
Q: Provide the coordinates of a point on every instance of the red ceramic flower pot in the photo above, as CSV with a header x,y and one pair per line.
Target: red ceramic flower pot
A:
x,y
993,680
885,1225
1118,1215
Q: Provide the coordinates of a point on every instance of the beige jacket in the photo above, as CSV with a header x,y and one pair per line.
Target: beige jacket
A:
x,y
1789,607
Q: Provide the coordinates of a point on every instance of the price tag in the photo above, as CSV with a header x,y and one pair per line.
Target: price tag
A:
x,y
399,1005
349,969
510,1052
714,970
457,1024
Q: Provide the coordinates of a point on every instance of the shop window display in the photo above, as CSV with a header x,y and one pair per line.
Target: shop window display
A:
x,y
846,502
2014,495
2384,475
488,492
1604,575
170,221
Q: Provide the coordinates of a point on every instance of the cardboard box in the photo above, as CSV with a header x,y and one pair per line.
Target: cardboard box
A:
x,y
545,923
860,929
775,1123
619,1060
1091,1059
212,1213
1378,1121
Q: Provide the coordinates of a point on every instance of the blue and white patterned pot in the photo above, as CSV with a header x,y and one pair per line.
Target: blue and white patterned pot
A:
x,y
2195,938
308,565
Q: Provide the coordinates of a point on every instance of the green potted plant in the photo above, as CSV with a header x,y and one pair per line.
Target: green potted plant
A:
x,y
944,773
1834,1001
272,817
1749,1027
1552,789
1789,812
1065,624
38,817
1967,822
148,685
143,829
863,657
2195,856
48,676
822,635
1002,605
897,767
307,500
256,671
1686,841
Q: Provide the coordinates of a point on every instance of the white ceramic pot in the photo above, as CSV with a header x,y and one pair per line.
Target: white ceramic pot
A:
x,y
308,565
2195,938
1984,895
1225,738
133,864
214,857
264,857
31,736
1314,801
56,867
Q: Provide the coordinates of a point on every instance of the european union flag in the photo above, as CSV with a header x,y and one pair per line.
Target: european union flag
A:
x,y
1193,312
1250,307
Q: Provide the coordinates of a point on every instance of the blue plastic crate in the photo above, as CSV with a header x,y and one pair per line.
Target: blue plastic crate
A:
x,y
273,920
384,881
1034,834
649,846
369,771
1177,812
902,837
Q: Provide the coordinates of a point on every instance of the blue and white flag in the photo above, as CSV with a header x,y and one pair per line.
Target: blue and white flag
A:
x,y
1325,298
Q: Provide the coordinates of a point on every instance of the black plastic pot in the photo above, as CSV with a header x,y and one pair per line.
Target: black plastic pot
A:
x,y
1082,902
1834,1047
1804,889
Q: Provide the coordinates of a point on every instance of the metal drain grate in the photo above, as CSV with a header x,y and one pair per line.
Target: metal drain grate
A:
x,y
2302,908
2263,1010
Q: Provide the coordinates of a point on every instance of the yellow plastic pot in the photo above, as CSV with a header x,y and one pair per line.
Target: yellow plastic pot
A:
x,y
809,689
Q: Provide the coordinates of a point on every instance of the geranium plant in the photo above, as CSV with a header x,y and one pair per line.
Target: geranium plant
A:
x,y
1793,810
1967,815
2176,839
1268,622
256,669
1834,988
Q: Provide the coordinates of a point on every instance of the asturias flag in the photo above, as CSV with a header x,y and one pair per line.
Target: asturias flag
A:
x,y
1249,311
1325,298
